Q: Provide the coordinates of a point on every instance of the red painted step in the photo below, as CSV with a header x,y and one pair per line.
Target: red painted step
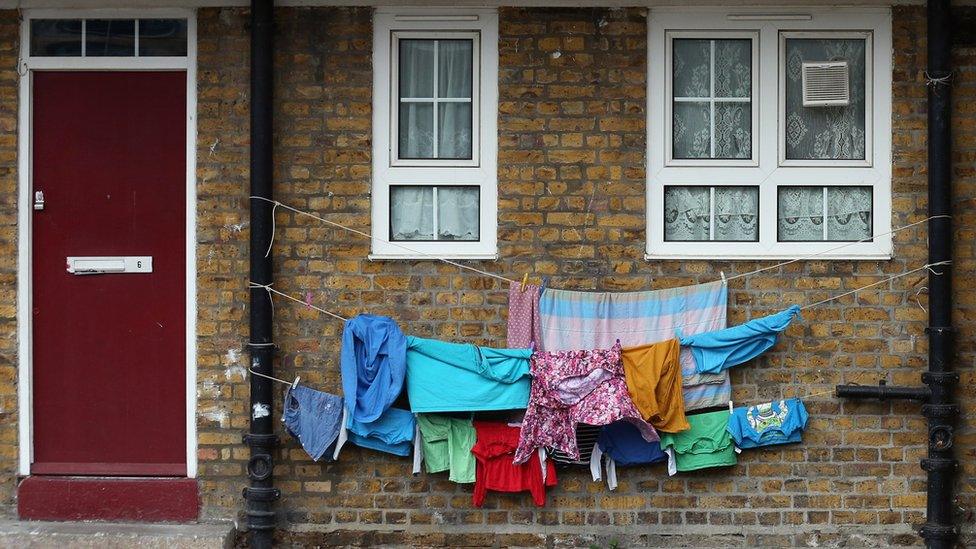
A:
x,y
92,498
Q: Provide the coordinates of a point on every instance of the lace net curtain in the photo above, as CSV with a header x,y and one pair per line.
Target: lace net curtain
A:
x,y
415,213
712,109
688,213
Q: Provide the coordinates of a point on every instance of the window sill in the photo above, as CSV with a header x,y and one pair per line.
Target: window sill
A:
x,y
432,257
770,257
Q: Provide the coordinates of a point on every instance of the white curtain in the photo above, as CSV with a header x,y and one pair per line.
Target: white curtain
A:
x,y
737,213
416,124
458,213
454,80
800,213
686,211
692,122
412,213
824,133
848,213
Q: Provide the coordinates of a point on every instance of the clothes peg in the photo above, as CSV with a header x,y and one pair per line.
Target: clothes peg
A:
x,y
545,282
295,383
724,280
525,278
730,406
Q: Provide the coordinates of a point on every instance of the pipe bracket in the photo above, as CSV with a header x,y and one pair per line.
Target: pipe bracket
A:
x,y
940,437
260,440
934,531
940,378
939,464
255,493
941,411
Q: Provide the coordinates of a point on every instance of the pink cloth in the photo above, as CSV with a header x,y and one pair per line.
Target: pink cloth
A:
x,y
570,387
523,316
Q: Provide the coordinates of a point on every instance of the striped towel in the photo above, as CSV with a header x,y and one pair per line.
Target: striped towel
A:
x,y
596,320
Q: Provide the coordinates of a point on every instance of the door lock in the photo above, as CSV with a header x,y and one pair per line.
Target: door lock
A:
x,y
38,200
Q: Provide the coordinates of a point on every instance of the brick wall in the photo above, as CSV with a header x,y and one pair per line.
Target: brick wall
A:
x,y
9,81
571,206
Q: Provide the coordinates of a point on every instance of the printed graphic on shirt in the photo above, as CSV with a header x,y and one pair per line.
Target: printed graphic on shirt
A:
x,y
763,416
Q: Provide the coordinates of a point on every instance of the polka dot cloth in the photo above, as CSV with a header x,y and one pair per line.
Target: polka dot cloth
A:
x,y
523,316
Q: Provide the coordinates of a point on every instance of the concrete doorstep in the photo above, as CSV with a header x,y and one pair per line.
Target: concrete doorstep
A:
x,y
61,535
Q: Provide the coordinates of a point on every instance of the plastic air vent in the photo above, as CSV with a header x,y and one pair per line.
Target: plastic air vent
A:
x,y
826,84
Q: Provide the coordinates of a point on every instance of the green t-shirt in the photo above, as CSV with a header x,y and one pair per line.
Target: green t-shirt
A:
x,y
447,443
706,444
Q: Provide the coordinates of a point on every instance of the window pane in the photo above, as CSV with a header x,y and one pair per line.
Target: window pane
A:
x,y
162,37
411,213
733,68
454,130
690,67
800,214
686,211
848,213
416,128
691,131
416,68
55,37
737,213
733,130
458,213
454,59
825,133
110,38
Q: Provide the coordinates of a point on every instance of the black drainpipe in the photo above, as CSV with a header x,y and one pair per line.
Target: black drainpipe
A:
x,y
261,494
939,530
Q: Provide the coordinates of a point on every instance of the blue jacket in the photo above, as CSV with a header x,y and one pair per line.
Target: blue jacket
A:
x,y
722,349
373,364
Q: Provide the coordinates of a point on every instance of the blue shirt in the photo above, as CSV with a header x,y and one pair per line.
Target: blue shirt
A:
x,y
722,349
778,422
392,433
373,363
624,443
456,377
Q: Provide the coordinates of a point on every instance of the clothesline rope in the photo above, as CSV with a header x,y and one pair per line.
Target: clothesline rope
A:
x,y
511,281
889,279
270,290
368,235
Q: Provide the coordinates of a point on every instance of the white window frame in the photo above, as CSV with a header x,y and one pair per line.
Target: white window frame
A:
x,y
770,173
669,103
390,24
27,66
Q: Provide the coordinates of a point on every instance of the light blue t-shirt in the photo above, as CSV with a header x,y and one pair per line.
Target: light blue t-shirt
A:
x,y
779,422
722,349
459,377
392,433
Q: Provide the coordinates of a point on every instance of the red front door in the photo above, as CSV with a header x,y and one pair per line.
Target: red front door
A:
x,y
109,369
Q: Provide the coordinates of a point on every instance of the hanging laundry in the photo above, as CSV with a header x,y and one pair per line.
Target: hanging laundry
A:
x,y
315,419
523,316
653,378
495,470
706,444
572,387
373,364
620,443
780,422
446,444
595,320
722,349
392,433
586,437
459,377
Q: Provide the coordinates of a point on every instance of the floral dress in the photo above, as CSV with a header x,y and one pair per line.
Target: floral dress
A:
x,y
570,387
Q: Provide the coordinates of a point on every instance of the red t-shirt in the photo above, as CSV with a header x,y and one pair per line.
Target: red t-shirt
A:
x,y
495,470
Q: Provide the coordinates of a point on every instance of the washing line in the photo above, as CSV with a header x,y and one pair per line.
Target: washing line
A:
x,y
365,234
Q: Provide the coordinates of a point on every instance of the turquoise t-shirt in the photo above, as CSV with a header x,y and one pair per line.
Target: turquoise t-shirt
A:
x,y
460,377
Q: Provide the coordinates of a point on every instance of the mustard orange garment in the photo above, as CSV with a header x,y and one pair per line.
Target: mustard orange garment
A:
x,y
653,377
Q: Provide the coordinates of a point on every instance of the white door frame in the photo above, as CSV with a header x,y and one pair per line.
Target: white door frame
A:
x,y
26,66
